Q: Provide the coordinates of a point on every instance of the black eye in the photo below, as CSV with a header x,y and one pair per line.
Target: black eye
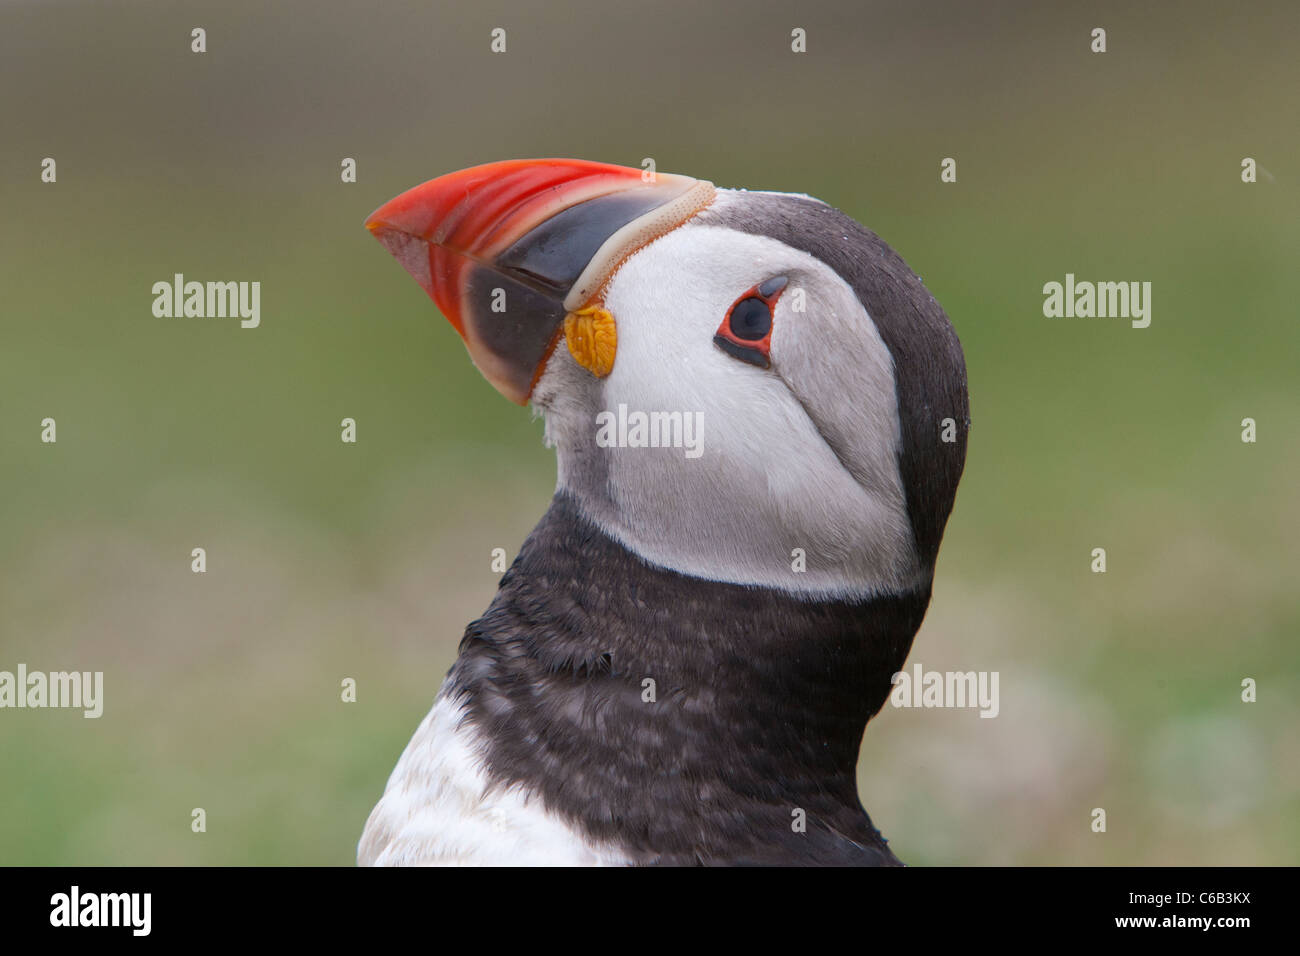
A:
x,y
746,329
751,319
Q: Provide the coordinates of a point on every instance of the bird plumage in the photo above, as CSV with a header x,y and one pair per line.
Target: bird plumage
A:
x,y
656,681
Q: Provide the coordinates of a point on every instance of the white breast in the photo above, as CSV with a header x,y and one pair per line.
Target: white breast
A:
x,y
439,810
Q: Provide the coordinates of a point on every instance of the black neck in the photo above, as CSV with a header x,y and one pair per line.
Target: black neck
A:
x,y
761,700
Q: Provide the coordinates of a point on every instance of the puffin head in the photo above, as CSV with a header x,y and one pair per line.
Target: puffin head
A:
x,y
805,396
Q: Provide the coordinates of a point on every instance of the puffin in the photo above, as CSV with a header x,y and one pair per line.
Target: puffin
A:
x,y
678,666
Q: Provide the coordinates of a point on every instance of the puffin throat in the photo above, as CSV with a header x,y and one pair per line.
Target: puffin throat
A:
x,y
683,720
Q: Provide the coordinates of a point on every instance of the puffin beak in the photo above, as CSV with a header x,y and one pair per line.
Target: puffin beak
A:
x,y
508,249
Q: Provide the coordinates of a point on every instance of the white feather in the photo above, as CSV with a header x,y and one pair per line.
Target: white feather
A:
x,y
439,810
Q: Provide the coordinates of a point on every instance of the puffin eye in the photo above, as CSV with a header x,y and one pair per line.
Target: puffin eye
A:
x,y
751,319
746,331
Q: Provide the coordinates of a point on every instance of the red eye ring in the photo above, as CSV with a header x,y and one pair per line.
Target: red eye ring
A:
x,y
754,310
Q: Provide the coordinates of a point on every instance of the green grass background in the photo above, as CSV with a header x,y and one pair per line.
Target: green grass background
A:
x,y
328,560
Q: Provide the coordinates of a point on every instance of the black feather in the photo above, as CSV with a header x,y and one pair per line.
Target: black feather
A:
x,y
762,698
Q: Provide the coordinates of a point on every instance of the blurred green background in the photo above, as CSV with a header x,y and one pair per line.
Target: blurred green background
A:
x,y
328,560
